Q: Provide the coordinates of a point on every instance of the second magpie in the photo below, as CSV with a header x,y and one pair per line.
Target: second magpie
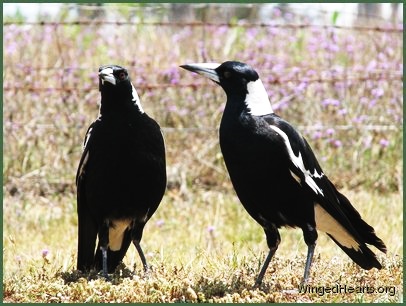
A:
x,y
121,177
276,175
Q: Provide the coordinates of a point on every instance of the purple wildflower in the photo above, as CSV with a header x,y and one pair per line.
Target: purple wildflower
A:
x,y
252,33
317,135
337,143
45,253
330,131
342,111
377,92
183,111
330,101
349,48
360,119
159,223
372,65
372,103
11,48
276,12
384,143
300,88
172,108
211,228
295,70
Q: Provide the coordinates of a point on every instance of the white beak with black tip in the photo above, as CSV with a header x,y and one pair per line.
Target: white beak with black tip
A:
x,y
206,69
107,75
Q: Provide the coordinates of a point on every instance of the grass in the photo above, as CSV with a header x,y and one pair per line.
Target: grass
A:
x,y
201,244
202,248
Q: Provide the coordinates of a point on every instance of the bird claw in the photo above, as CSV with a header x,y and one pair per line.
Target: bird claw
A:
x,y
257,285
147,272
104,275
304,282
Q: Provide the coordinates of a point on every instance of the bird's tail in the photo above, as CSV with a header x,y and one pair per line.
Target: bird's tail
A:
x,y
362,256
86,243
87,234
347,229
366,232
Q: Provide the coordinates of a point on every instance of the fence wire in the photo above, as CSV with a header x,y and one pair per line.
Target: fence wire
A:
x,y
378,75
202,24
195,85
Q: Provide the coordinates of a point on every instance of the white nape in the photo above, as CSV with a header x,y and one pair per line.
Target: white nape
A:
x,y
136,99
257,99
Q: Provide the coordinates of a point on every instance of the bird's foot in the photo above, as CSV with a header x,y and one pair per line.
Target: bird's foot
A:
x,y
147,272
257,285
305,282
104,275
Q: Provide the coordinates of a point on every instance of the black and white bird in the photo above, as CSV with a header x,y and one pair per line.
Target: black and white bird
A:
x,y
121,177
276,175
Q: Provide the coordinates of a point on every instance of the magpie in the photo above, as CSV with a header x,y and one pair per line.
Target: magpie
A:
x,y
276,175
121,178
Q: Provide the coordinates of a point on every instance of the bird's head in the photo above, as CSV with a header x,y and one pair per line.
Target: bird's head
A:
x,y
240,82
112,77
116,87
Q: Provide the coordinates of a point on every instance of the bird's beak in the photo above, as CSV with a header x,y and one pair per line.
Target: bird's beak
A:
x,y
205,69
107,75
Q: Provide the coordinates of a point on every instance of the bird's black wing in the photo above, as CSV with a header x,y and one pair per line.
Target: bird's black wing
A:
x,y
334,213
85,155
87,227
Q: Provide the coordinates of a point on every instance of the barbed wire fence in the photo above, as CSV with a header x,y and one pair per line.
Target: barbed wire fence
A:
x,y
242,24
192,141
328,77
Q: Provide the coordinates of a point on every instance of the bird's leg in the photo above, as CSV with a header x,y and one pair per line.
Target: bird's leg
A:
x,y
310,252
142,256
136,235
261,274
273,239
310,237
104,242
104,258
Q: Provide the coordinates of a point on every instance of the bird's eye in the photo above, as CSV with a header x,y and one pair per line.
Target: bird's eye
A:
x,y
227,74
122,75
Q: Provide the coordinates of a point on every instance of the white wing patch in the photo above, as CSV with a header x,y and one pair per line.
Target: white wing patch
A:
x,y
87,138
86,158
316,175
298,162
136,98
326,223
257,99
